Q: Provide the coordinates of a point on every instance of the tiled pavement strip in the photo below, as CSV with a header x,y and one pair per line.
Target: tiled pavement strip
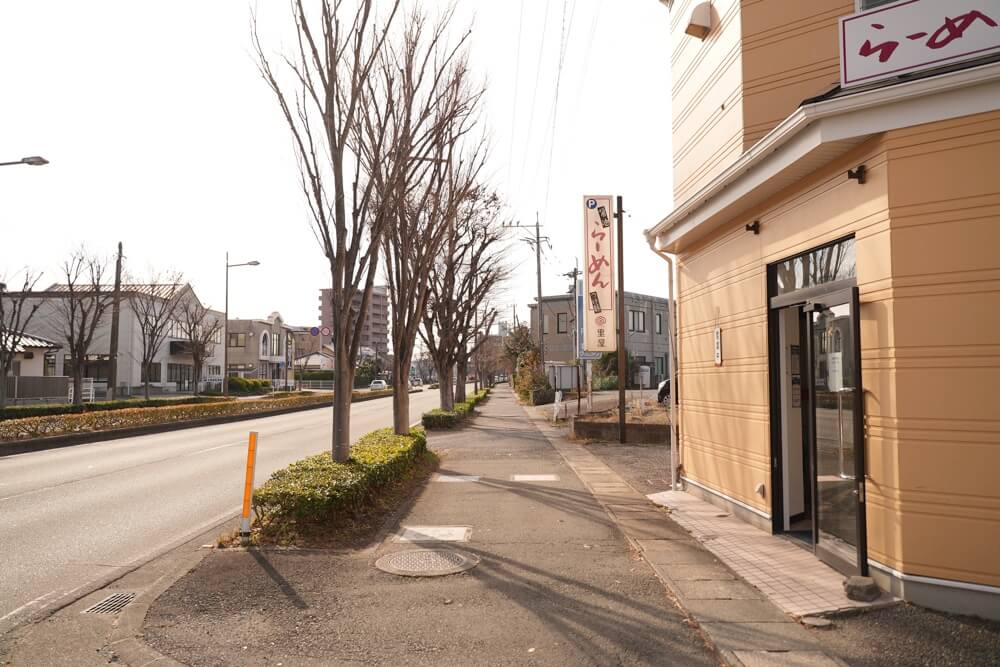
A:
x,y
746,627
790,576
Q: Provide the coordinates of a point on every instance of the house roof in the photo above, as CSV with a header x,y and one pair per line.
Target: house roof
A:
x,y
29,342
162,290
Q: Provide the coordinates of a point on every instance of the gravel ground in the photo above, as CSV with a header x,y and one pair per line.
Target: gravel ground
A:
x,y
903,636
911,636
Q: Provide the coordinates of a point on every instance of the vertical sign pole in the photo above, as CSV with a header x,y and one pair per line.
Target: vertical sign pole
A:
x,y
248,489
619,241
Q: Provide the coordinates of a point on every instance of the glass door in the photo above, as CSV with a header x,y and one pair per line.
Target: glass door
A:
x,y
836,430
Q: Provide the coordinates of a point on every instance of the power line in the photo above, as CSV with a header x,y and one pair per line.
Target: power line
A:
x,y
534,98
563,45
517,82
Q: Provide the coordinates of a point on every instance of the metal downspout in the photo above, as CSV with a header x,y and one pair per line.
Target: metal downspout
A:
x,y
674,372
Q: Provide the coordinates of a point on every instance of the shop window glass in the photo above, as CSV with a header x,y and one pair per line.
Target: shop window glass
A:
x,y
817,267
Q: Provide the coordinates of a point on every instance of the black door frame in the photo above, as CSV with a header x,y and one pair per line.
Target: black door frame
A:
x,y
803,298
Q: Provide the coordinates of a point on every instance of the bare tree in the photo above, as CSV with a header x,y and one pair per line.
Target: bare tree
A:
x,y
82,309
422,103
15,316
329,71
155,305
471,268
202,328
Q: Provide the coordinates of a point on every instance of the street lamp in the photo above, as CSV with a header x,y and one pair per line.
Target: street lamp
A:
x,y
225,327
33,160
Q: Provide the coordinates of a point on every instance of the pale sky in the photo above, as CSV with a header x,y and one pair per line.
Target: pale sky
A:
x,y
162,135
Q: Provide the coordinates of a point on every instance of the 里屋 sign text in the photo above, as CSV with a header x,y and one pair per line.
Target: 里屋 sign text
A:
x,y
916,35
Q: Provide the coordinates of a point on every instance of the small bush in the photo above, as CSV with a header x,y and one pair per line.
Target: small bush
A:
x,y
313,489
444,419
605,382
239,385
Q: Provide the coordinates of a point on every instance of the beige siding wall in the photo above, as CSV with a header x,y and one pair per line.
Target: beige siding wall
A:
x,y
790,53
705,102
944,198
927,230
724,410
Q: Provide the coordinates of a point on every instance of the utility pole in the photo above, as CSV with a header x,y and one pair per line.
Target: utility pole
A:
x,y
619,215
115,309
575,309
538,270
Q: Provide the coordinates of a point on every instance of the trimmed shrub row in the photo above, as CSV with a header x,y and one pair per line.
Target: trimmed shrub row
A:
x,y
441,419
315,488
36,427
239,385
22,411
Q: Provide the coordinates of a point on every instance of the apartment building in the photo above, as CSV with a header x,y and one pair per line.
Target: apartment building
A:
x,y
833,241
262,349
172,369
646,338
375,332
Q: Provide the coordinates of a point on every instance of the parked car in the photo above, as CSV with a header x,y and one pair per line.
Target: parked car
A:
x,y
378,385
415,382
663,391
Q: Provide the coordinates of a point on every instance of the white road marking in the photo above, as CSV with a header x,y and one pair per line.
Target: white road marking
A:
x,y
27,604
433,534
454,478
534,478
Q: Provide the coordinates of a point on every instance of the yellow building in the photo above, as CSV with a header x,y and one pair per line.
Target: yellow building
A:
x,y
835,249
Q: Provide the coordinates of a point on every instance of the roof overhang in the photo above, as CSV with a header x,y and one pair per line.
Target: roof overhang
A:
x,y
817,134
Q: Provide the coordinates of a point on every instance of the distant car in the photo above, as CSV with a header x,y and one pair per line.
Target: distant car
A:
x,y
378,385
416,382
663,392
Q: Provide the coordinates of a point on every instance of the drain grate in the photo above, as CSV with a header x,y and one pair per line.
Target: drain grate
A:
x,y
426,562
111,604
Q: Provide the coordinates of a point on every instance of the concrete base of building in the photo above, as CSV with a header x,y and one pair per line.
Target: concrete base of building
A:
x,y
956,597
941,594
740,510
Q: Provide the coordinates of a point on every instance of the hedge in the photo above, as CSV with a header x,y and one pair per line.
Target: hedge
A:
x,y
241,385
317,487
36,427
441,419
22,411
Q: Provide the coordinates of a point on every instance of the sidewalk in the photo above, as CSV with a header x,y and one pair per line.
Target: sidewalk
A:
x,y
555,583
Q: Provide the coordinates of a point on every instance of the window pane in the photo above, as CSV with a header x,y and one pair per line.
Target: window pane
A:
x,y
817,267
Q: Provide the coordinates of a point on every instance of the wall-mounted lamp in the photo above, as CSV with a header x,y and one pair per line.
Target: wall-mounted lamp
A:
x,y
699,22
857,174
754,227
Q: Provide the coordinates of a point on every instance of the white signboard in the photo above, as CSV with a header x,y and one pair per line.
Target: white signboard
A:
x,y
599,333
916,35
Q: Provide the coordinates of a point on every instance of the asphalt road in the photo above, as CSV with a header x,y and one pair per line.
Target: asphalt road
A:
x,y
77,517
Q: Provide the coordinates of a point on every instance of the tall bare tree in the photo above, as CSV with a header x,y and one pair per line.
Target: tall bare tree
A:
x,y
320,88
155,305
15,316
424,105
471,269
86,299
202,328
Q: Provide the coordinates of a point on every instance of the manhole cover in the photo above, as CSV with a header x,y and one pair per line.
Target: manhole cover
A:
x,y
426,562
111,604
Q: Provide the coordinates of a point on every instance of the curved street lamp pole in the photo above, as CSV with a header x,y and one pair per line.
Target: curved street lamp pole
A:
x,y
33,160
225,327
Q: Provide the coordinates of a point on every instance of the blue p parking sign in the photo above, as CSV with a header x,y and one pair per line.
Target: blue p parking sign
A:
x,y
591,203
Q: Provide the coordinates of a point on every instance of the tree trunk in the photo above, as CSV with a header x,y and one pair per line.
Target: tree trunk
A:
x,y
77,385
461,373
401,395
343,387
3,388
145,384
444,388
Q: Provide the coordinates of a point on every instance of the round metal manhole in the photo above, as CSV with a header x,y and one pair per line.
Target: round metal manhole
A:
x,y
426,562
